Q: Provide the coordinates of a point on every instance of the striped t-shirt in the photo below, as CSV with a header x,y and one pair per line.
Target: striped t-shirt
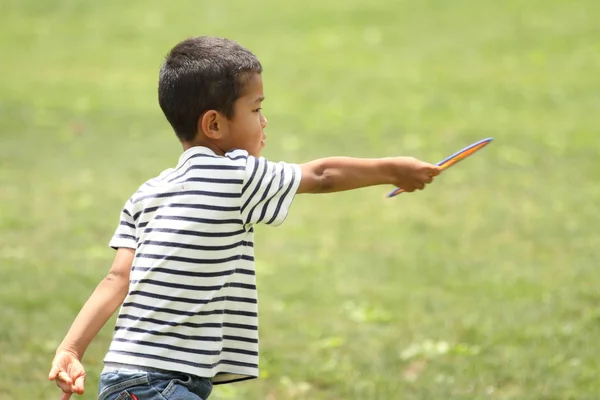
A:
x,y
192,302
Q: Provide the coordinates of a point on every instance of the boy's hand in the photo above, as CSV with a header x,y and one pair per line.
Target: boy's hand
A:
x,y
68,373
411,174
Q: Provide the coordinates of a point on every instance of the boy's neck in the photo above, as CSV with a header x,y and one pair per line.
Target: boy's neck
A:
x,y
215,149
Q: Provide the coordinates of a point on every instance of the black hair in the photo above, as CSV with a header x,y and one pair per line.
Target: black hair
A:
x,y
200,74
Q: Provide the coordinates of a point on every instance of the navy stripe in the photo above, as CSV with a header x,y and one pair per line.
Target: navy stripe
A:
x,y
171,334
177,285
183,205
197,246
189,313
257,187
186,273
240,339
239,326
237,270
184,178
239,351
200,220
241,313
137,214
239,157
268,202
170,323
188,324
195,260
241,285
124,236
193,219
193,287
238,363
169,298
194,301
125,223
244,271
181,361
167,310
195,337
200,166
209,180
282,199
195,233
195,274
186,193
249,181
168,359
168,346
236,299
126,212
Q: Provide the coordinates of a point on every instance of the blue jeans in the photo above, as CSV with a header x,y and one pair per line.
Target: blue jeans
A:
x,y
126,384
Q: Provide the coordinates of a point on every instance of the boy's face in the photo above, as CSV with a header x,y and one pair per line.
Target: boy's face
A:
x,y
245,130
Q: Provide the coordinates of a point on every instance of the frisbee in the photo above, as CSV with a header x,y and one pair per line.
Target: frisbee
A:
x,y
453,159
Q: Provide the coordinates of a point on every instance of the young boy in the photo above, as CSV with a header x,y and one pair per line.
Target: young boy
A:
x,y
183,274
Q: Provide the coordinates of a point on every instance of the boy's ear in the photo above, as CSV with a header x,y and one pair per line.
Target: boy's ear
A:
x,y
212,124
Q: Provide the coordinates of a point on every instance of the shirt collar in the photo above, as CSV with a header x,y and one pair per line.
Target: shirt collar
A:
x,y
193,151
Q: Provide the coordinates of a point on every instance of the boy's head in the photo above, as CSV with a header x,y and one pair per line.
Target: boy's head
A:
x,y
210,90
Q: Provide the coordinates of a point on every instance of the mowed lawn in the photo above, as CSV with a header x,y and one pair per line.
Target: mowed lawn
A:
x,y
484,286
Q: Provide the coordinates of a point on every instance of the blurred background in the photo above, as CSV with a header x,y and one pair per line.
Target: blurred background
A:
x,y
483,286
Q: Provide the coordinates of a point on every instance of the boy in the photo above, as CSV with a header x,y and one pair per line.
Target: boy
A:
x,y
183,274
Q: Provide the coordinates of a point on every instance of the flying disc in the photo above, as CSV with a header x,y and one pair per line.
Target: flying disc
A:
x,y
453,159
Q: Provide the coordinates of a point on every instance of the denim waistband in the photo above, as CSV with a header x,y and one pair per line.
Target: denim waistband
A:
x,y
117,377
113,367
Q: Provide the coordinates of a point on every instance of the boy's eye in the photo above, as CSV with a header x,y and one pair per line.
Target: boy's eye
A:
x,y
257,110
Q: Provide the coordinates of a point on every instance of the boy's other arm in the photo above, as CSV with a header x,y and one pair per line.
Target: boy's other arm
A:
x,y
336,174
101,305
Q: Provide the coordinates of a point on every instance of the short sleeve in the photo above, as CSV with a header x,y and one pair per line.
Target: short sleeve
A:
x,y
268,191
125,235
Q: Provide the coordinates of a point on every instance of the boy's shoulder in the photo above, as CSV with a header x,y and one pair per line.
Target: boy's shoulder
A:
x,y
194,162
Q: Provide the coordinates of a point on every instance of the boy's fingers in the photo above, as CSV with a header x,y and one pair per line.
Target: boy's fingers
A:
x,y
66,388
435,170
63,376
79,384
432,169
53,372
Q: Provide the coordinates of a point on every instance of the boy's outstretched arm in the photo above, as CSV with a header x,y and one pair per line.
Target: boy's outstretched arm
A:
x,y
67,369
336,174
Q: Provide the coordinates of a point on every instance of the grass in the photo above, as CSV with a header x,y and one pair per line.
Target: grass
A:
x,y
484,286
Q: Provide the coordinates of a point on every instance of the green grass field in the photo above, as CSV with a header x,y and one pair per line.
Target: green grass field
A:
x,y
484,286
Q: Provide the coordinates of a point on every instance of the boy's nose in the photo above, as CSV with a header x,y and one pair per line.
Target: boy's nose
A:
x,y
263,121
